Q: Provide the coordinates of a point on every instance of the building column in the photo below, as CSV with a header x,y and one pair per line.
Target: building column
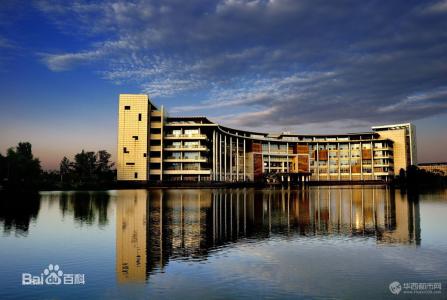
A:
x,y
318,163
244,161
339,161
161,141
328,162
361,161
225,157
231,158
237,160
268,156
350,166
372,161
220,157
214,155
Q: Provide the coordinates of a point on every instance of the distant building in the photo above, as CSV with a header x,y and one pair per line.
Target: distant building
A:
x,y
154,146
438,168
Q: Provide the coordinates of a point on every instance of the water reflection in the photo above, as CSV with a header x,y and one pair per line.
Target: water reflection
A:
x,y
17,210
86,207
155,226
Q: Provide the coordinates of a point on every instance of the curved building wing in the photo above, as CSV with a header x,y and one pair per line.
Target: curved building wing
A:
x,y
155,147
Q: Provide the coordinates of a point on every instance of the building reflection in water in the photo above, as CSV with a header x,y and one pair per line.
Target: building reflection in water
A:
x,y
155,226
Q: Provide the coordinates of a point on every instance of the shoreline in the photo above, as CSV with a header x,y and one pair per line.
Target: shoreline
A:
x,y
191,184
209,185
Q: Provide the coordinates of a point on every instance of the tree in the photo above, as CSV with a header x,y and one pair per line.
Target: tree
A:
x,y
103,165
85,165
64,168
19,168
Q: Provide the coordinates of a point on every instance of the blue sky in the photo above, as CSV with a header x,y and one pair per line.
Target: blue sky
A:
x,y
278,65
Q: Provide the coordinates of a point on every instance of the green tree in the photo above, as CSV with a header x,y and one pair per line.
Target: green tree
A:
x,y
19,168
104,166
85,166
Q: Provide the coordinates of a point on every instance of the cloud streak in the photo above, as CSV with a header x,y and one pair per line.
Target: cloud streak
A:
x,y
279,63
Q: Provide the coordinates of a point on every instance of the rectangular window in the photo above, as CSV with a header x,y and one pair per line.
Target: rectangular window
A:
x,y
125,150
130,164
144,155
136,175
139,117
135,137
127,107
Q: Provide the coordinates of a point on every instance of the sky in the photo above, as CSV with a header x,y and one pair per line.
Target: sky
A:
x,y
265,65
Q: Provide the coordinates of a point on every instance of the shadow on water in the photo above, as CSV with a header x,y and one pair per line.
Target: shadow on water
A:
x,y
86,207
156,226
17,210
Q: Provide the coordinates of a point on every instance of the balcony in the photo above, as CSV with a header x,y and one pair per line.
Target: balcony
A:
x,y
185,137
379,156
155,160
186,148
155,136
186,172
155,124
154,172
186,159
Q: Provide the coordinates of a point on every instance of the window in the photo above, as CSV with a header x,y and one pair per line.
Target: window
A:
x,y
135,137
127,107
139,117
135,175
130,164
125,150
144,155
191,132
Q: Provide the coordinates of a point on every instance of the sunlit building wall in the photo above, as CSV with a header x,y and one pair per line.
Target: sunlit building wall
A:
x,y
155,147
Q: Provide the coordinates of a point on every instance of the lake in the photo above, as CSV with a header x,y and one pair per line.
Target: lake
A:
x,y
336,242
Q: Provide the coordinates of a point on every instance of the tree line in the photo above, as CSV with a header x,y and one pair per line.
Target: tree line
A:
x,y
20,169
413,177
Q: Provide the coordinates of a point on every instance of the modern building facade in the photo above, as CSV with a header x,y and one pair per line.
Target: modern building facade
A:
x,y
439,168
155,147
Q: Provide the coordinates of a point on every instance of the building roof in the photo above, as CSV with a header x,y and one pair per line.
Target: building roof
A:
x,y
433,164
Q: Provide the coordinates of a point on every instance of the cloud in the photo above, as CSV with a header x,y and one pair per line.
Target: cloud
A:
x,y
6,43
437,7
276,63
62,62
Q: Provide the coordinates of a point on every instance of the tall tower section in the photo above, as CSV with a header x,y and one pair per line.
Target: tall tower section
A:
x,y
404,148
132,152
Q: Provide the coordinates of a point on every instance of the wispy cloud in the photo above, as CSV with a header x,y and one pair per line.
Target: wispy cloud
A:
x,y
281,62
6,43
66,61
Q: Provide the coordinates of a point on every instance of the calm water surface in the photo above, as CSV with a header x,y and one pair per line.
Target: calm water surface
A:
x,y
319,242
